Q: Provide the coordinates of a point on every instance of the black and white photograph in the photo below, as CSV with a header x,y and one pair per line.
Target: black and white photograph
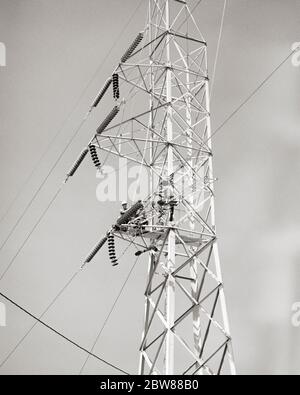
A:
x,y
150,198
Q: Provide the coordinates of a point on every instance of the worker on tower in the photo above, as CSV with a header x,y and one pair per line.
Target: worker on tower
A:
x,y
123,210
124,207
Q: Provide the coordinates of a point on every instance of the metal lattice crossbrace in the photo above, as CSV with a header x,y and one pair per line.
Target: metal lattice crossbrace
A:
x,y
161,88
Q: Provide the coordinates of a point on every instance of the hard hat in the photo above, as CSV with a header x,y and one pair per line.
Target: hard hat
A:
x,y
124,202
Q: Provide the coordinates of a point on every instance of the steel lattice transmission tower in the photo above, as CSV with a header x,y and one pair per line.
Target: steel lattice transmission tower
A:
x,y
161,120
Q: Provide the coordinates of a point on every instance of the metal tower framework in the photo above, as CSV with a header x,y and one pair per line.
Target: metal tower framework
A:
x,y
161,120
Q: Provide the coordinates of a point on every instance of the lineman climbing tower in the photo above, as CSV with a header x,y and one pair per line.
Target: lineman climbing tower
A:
x,y
161,121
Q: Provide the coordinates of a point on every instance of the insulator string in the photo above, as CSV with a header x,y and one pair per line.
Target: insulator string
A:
x,y
112,250
130,213
54,139
116,86
95,251
78,163
132,47
108,120
94,156
101,93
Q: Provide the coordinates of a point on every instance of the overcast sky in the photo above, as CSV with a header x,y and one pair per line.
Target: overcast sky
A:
x,y
53,49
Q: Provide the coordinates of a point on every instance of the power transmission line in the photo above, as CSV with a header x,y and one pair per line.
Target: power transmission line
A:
x,y
256,90
109,315
38,320
53,302
54,139
55,299
218,48
247,100
213,134
30,233
41,186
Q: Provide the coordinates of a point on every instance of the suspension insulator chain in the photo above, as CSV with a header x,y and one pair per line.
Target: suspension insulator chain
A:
x,y
77,163
108,119
112,250
102,93
94,156
116,86
133,46
95,251
125,218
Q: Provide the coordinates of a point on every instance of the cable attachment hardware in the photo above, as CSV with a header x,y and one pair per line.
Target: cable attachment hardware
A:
x,y
116,86
112,250
151,248
77,164
133,46
94,156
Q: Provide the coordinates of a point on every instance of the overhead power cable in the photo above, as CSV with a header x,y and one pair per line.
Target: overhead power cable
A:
x,y
246,101
72,278
231,115
38,222
256,90
62,290
108,316
38,320
218,48
11,262
41,186
54,139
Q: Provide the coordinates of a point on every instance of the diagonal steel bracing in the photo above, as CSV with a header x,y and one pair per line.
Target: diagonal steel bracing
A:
x,y
162,122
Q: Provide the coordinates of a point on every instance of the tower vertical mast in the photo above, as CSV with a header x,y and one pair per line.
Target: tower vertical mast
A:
x,y
186,327
170,285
